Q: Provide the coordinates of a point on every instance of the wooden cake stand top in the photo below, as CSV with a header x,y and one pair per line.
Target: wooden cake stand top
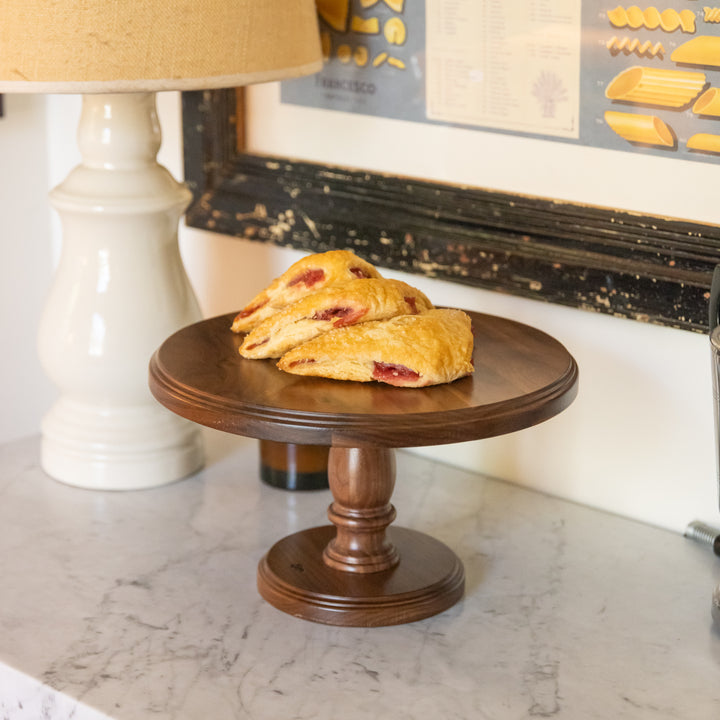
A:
x,y
522,377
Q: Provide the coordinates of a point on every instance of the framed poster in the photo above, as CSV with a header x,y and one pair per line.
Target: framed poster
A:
x,y
587,72
382,185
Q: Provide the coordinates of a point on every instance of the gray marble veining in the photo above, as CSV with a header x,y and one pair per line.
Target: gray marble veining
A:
x,y
143,605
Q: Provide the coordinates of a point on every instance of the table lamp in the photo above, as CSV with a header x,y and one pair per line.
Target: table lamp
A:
x,y
120,287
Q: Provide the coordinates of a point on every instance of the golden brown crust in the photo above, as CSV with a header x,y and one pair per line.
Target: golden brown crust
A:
x,y
333,307
307,275
407,351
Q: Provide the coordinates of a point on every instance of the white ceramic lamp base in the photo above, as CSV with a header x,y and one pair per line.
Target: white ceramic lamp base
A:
x,y
119,291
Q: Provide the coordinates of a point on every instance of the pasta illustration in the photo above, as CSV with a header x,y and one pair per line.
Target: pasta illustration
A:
x,y
704,142
334,13
701,50
712,15
344,53
646,129
326,44
360,56
396,5
654,86
708,103
370,26
668,20
395,31
633,45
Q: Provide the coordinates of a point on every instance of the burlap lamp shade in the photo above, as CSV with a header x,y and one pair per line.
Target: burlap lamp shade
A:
x,y
131,45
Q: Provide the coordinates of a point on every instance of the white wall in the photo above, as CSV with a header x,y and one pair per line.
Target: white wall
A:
x,y
25,263
638,440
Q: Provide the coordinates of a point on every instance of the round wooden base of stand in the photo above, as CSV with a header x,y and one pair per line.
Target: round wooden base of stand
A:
x,y
428,579
359,571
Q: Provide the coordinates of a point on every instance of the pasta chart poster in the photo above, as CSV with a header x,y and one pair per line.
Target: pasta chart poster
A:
x,y
625,77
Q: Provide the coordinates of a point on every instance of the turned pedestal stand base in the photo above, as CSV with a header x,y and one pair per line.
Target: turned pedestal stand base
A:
x,y
359,571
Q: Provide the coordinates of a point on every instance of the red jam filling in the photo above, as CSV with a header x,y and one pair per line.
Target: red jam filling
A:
x,y
359,272
412,302
250,310
305,361
341,315
257,344
394,374
332,313
308,278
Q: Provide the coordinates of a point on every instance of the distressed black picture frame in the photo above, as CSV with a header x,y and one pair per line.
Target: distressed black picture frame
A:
x,y
624,264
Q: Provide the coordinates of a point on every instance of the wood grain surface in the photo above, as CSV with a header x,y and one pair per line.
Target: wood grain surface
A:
x,y
522,377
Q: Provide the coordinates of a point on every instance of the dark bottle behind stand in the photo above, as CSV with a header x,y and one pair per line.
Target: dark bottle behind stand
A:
x,y
294,467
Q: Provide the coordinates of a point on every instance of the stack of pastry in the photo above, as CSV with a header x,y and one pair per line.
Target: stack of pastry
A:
x,y
333,315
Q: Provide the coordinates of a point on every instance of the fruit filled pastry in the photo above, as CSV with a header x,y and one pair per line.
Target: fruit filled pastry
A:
x,y
407,351
353,302
307,275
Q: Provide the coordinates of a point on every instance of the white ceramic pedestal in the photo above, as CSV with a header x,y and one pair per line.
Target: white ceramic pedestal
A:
x,y
119,291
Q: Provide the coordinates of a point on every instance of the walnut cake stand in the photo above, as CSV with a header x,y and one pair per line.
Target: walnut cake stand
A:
x,y
360,571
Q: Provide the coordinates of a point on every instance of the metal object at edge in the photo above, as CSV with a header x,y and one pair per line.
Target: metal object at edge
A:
x,y
710,536
714,331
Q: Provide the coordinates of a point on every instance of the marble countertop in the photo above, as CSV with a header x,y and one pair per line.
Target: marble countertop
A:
x,y
143,605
